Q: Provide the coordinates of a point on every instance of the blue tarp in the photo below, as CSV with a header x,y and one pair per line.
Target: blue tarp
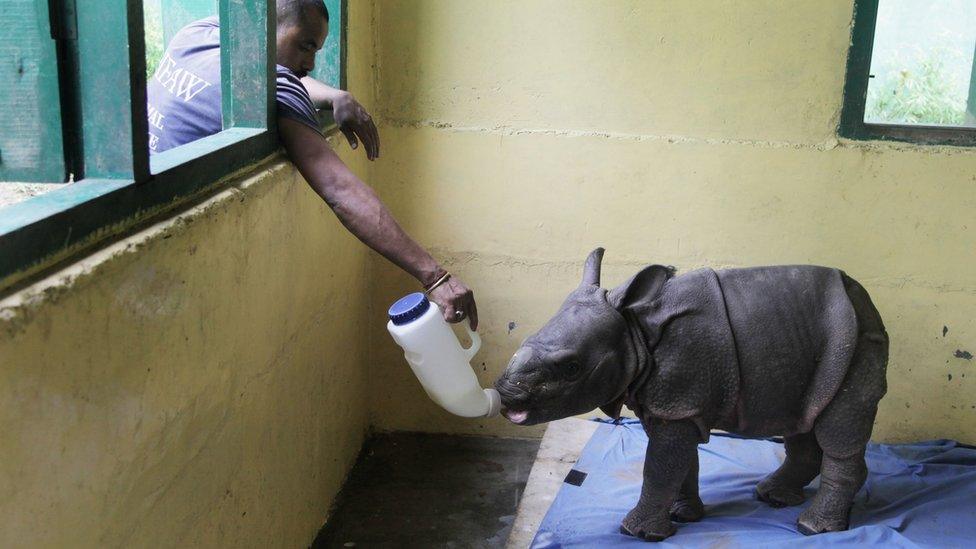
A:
x,y
916,495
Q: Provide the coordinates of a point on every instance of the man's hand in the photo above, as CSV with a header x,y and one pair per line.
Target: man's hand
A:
x,y
454,297
353,122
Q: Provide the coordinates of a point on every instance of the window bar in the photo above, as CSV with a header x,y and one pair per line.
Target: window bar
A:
x,y
859,67
247,64
31,141
112,90
971,102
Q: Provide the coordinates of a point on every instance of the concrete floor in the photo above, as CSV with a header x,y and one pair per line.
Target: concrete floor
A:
x,y
561,447
422,490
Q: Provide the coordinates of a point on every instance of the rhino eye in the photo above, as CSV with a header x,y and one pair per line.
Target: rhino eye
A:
x,y
569,369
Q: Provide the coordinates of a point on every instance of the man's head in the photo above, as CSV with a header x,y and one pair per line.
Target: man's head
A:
x,y
303,26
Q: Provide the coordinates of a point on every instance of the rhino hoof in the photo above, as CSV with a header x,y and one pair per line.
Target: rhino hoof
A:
x,y
779,496
809,524
687,509
638,525
646,536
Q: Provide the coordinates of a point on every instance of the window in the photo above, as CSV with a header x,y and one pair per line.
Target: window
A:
x,y
329,65
911,74
73,114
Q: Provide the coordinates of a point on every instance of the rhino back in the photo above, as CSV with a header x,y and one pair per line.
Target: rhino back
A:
x,y
795,331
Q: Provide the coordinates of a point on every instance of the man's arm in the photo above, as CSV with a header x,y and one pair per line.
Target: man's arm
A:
x,y
350,116
362,212
321,93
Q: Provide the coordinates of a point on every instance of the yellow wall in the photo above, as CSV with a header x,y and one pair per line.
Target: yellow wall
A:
x,y
200,383
519,135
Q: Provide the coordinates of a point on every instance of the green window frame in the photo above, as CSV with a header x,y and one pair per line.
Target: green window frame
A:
x,y
87,79
852,124
30,138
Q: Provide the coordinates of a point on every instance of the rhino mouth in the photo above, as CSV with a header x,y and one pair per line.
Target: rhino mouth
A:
x,y
517,417
515,400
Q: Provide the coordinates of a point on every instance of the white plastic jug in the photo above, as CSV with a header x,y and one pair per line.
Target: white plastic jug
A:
x,y
438,360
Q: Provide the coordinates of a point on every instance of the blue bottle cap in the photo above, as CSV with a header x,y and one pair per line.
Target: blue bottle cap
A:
x,y
409,308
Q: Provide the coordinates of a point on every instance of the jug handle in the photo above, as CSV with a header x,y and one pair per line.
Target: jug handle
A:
x,y
475,342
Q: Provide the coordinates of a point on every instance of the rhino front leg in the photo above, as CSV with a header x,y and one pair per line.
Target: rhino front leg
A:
x,y
670,450
688,506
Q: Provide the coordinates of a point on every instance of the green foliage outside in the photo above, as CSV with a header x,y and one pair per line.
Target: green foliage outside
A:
x,y
924,93
921,62
153,18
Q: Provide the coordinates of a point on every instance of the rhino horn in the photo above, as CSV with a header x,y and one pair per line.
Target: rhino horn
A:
x,y
591,272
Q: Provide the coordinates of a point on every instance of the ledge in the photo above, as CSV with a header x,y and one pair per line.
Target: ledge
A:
x,y
17,308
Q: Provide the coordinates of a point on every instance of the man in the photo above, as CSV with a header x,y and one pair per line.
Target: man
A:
x,y
184,105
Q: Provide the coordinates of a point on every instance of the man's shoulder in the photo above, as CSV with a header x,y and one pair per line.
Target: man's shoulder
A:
x,y
289,85
284,73
293,100
207,23
199,31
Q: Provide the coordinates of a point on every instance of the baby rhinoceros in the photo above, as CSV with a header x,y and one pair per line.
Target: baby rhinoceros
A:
x,y
797,351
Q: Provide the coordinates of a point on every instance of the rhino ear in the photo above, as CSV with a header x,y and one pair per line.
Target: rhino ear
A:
x,y
643,287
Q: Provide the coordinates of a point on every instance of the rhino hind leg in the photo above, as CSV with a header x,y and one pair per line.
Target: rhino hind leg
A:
x,y
784,486
844,427
840,480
